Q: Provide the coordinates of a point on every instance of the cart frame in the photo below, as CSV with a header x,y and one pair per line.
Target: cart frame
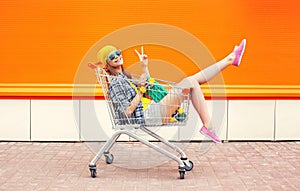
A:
x,y
184,164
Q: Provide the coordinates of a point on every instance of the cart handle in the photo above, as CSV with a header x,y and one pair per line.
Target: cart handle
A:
x,y
94,66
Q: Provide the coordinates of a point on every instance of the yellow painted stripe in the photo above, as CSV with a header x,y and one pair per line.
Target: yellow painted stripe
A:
x,y
95,90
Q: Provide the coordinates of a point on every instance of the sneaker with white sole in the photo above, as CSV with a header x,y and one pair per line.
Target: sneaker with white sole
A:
x,y
211,135
239,51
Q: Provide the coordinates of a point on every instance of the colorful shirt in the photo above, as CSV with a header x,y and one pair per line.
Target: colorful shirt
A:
x,y
121,94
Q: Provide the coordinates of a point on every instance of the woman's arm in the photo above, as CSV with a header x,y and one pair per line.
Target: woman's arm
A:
x,y
118,95
134,103
137,99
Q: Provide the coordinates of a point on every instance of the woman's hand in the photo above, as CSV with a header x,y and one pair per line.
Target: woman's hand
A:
x,y
143,57
144,60
142,80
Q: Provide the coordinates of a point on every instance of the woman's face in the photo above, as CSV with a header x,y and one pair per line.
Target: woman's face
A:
x,y
115,58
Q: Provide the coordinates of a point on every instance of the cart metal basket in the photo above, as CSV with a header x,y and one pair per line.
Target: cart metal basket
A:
x,y
167,105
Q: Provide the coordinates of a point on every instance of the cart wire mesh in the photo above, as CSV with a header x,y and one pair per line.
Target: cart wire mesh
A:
x,y
163,103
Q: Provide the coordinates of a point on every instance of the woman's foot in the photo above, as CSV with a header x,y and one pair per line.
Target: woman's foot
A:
x,y
211,135
239,51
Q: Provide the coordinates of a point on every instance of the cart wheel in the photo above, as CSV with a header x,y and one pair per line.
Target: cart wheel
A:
x,y
188,167
93,173
181,171
109,158
181,174
93,170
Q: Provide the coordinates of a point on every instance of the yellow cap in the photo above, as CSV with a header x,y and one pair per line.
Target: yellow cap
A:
x,y
104,52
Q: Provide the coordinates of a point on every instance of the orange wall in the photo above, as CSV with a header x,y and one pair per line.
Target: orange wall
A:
x,y
45,41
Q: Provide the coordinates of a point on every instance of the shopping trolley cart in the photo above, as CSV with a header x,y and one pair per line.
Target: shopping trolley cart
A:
x,y
156,112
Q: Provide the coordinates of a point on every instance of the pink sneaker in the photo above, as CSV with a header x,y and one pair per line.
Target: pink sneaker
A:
x,y
210,135
239,51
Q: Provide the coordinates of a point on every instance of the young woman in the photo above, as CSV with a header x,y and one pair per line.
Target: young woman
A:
x,y
121,91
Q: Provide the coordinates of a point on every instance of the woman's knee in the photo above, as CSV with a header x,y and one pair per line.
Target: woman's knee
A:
x,y
187,82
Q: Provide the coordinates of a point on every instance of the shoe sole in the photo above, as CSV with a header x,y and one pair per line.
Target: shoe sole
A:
x,y
210,138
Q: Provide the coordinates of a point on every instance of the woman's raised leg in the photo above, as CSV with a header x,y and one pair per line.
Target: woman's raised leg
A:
x,y
204,76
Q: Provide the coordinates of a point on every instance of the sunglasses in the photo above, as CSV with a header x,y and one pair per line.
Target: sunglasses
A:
x,y
113,55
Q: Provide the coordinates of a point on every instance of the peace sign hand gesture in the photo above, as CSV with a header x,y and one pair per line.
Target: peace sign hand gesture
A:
x,y
143,57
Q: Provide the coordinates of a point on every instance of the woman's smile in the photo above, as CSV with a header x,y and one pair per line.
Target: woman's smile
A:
x,y
117,61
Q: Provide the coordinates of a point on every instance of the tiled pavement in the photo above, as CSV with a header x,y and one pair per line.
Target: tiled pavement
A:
x,y
228,166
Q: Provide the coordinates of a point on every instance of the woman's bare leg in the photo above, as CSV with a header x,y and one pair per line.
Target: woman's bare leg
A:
x,y
210,72
204,76
193,82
